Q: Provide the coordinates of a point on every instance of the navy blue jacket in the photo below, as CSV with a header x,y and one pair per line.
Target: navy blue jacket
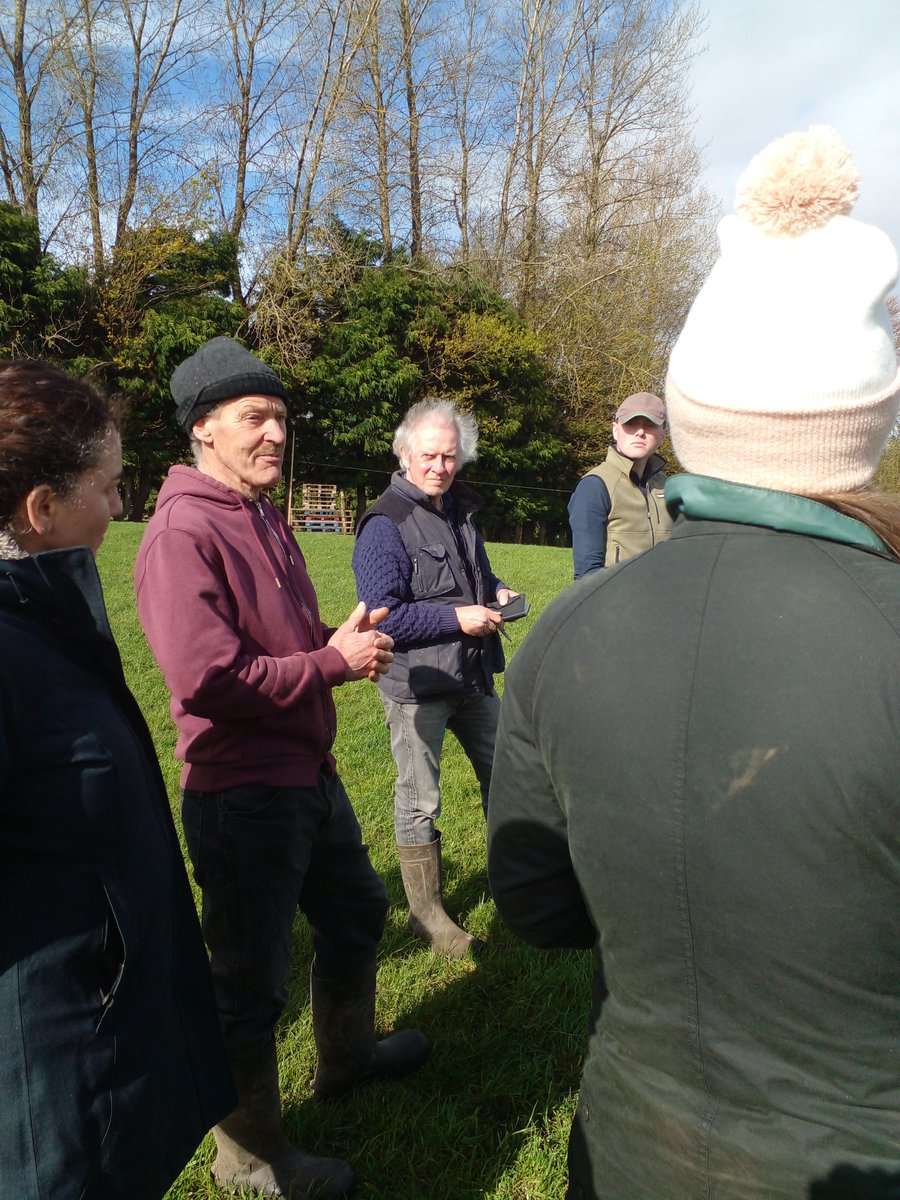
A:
x,y
112,1066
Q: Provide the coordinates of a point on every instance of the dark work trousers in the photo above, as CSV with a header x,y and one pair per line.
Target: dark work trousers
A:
x,y
259,853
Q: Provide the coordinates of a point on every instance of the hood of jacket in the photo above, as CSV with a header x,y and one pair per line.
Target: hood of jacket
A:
x,y
191,481
228,506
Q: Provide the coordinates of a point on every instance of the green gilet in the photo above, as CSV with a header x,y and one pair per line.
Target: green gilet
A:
x,y
638,517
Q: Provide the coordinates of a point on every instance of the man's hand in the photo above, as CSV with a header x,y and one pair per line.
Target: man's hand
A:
x,y
504,595
366,652
478,621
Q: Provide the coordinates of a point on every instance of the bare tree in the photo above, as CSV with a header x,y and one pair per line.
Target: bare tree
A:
x,y
163,44
377,85
469,83
120,65
610,313
88,73
396,101
32,127
631,90
270,146
410,16
554,41
259,41
337,32
541,45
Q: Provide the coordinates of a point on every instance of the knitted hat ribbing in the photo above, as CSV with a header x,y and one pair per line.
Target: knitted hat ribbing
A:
x,y
785,375
220,370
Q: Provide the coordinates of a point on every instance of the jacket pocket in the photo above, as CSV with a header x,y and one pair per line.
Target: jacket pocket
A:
x,y
437,669
432,573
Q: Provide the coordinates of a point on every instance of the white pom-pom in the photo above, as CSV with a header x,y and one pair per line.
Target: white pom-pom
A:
x,y
798,182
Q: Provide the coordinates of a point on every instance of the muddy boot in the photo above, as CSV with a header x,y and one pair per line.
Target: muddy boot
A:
x,y
343,1013
252,1149
420,868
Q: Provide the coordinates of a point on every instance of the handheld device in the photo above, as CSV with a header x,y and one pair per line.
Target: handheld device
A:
x,y
517,607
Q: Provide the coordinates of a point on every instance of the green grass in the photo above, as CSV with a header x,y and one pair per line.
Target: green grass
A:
x,y
489,1114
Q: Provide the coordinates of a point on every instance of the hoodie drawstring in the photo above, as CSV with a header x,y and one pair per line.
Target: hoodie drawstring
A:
x,y
288,557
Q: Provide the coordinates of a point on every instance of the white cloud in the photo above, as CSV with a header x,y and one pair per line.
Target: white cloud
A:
x,y
774,66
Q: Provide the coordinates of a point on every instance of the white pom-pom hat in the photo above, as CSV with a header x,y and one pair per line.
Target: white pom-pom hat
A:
x,y
785,375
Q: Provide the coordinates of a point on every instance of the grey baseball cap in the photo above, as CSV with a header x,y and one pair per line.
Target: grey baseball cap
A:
x,y
641,404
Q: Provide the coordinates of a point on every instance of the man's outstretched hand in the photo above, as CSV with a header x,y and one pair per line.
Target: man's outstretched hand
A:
x,y
366,652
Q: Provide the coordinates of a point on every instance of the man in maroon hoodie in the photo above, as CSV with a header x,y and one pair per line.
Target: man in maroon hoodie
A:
x,y
232,617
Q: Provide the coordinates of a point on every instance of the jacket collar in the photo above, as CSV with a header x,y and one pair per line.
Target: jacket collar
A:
x,y
626,465
61,587
701,498
465,497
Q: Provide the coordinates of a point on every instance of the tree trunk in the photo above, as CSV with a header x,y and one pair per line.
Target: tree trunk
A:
x,y
415,179
362,502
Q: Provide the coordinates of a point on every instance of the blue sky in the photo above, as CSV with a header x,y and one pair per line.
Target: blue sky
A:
x,y
774,66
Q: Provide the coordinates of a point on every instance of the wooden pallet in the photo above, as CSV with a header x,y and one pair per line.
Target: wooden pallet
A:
x,y
322,509
319,495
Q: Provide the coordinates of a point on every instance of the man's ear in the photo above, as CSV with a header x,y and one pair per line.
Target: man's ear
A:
x,y
201,431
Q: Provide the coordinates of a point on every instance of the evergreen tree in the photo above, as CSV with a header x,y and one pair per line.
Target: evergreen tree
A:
x,y
383,331
43,306
166,294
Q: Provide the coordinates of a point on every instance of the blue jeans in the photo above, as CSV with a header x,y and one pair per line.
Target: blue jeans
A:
x,y
417,738
259,853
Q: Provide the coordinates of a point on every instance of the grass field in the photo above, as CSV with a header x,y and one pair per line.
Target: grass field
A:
x,y
489,1114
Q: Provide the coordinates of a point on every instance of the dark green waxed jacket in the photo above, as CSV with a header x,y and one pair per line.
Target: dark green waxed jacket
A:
x,y
698,774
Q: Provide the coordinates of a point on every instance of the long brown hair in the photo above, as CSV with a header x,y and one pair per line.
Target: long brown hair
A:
x,y
880,511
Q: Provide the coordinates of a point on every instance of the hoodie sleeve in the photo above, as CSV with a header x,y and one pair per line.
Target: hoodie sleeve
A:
x,y
211,666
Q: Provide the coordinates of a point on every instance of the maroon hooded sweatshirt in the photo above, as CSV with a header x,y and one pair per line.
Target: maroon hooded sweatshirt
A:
x,y
232,617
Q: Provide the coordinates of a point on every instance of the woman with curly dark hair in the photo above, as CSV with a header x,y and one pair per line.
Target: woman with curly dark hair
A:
x,y
111,1063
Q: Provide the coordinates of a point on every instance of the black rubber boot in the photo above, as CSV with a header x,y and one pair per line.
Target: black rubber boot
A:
x,y
420,869
343,1013
252,1149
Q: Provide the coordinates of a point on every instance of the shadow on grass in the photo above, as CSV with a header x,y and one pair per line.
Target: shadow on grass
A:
x,y
509,1031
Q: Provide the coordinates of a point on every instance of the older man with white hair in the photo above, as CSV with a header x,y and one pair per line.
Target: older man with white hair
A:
x,y
418,551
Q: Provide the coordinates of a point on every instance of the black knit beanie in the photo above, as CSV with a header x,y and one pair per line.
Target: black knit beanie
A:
x,y
220,370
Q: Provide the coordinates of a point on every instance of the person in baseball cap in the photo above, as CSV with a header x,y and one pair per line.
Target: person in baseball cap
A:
x,y
641,404
617,508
